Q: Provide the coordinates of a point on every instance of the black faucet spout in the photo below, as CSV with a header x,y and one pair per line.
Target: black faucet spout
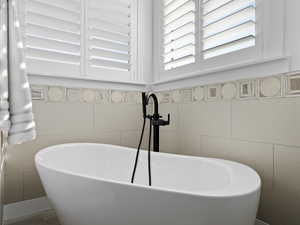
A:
x,y
155,119
155,102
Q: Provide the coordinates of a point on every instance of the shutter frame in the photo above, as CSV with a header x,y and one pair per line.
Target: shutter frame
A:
x,y
72,36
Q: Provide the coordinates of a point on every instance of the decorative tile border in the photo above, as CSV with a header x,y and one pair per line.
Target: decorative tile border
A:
x,y
213,92
88,96
198,93
229,91
57,94
247,89
270,87
292,84
277,86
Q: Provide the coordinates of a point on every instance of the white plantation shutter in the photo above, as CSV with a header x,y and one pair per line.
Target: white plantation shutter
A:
x,y
227,26
53,37
178,33
110,38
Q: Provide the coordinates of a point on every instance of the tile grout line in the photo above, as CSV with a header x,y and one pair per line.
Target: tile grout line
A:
x,y
250,141
231,117
273,174
94,119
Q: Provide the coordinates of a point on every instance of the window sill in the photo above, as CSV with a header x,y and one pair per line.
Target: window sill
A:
x,y
246,70
86,82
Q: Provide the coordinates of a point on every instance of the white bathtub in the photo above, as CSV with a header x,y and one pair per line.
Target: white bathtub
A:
x,y
88,184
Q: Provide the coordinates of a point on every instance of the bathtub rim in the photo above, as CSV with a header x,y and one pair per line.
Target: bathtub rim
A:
x,y
37,160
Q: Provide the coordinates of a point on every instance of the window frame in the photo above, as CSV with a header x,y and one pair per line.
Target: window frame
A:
x,y
273,58
269,22
84,72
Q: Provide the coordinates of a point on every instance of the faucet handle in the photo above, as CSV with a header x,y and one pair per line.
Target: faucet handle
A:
x,y
161,122
168,121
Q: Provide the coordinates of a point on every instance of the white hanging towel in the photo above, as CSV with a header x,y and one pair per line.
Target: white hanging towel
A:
x,y
16,115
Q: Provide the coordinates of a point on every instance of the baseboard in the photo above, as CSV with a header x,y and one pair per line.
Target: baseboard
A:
x,y
259,222
19,211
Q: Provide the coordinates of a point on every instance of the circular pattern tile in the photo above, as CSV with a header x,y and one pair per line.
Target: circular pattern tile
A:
x,y
89,96
56,94
270,87
117,97
229,91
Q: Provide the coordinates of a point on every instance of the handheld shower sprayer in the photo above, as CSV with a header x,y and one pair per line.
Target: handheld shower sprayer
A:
x,y
155,122
144,103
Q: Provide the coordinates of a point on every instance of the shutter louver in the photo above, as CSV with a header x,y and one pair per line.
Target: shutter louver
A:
x,y
53,37
109,36
178,33
227,26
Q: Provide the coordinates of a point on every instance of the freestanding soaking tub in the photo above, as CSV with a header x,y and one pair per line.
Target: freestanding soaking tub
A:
x,y
88,184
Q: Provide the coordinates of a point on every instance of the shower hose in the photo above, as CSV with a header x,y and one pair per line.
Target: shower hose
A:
x,y
138,153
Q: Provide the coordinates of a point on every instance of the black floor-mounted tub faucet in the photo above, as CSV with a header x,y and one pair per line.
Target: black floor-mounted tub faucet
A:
x,y
155,123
